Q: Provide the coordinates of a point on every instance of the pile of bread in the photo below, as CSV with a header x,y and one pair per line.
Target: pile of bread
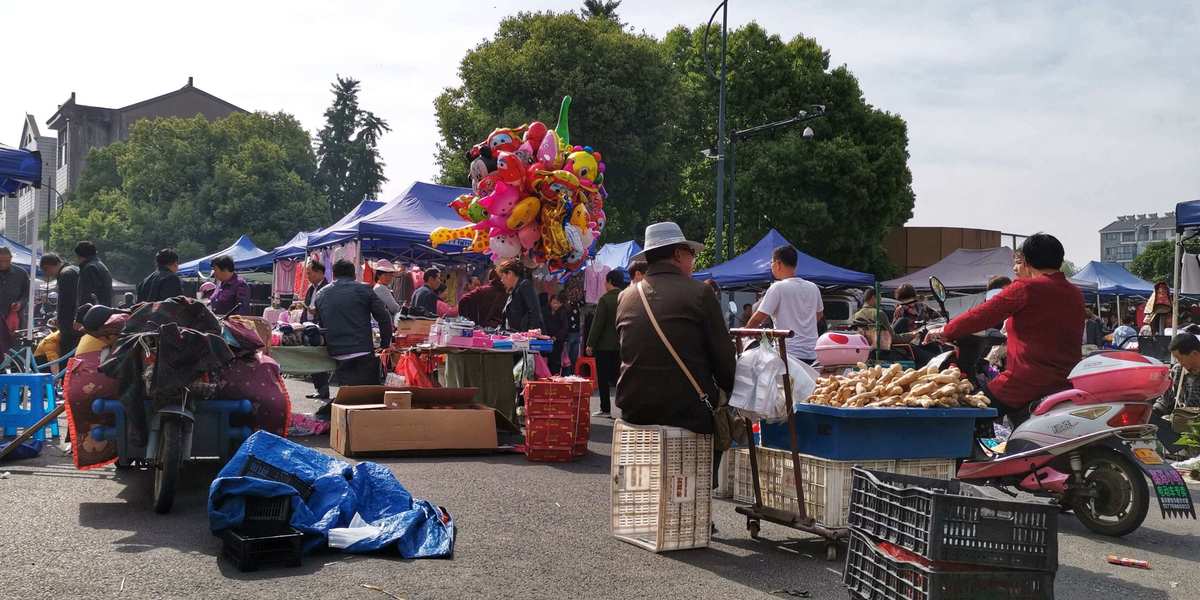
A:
x,y
897,387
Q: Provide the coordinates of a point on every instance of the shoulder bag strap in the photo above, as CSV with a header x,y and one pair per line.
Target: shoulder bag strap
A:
x,y
662,336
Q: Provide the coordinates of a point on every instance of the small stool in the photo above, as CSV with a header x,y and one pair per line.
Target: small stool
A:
x,y
41,401
585,366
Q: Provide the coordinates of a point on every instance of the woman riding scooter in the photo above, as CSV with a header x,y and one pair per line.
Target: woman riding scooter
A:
x,y
1043,312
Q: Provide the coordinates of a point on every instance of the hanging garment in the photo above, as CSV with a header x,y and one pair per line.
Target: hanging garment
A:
x,y
593,282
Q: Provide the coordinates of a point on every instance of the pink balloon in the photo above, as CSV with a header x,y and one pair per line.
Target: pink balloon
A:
x,y
502,200
529,235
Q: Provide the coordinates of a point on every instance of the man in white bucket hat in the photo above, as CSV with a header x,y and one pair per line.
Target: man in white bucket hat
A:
x,y
385,272
653,389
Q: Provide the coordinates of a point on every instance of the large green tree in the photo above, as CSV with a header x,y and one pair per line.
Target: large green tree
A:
x,y
349,167
833,196
624,104
194,185
1154,263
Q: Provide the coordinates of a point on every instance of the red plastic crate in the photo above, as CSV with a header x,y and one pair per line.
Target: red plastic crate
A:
x,y
550,454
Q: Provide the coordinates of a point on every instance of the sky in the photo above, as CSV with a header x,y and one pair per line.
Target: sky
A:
x,y
1022,116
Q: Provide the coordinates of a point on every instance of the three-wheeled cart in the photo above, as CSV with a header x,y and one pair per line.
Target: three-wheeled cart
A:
x,y
757,512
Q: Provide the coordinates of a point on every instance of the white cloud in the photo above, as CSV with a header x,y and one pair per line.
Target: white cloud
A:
x,y
1022,116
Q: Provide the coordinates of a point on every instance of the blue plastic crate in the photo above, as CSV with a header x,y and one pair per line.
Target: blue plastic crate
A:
x,y
879,433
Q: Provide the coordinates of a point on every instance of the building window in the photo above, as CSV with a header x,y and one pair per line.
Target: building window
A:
x,y
1160,234
1112,237
1128,236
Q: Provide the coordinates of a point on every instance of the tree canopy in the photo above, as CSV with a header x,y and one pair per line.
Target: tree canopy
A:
x,y
650,107
1154,263
349,168
623,104
193,185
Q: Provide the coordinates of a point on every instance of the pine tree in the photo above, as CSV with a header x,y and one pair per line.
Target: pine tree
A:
x,y
349,168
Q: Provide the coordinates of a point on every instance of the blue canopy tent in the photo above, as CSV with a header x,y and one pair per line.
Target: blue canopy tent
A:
x,y
754,266
617,256
246,257
21,256
1112,279
401,227
298,245
19,168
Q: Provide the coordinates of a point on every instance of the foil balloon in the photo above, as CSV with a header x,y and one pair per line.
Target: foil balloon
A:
x,y
524,213
445,235
534,134
510,169
575,242
504,140
585,165
549,153
480,242
529,236
501,201
504,247
475,211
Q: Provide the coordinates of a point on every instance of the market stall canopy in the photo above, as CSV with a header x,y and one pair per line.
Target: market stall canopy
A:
x,y
243,252
1113,279
19,168
754,266
1187,214
298,245
20,254
961,270
401,222
616,256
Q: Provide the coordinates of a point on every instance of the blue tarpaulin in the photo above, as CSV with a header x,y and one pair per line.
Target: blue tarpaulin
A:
x,y
328,493
1187,214
754,266
21,255
298,245
1113,279
19,168
617,256
244,254
401,222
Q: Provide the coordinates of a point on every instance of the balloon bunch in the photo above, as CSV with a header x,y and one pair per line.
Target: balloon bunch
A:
x,y
535,196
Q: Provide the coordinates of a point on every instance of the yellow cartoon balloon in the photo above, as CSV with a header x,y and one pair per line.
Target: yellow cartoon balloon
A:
x,y
524,213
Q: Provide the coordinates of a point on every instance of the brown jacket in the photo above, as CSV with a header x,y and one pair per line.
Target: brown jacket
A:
x,y
652,390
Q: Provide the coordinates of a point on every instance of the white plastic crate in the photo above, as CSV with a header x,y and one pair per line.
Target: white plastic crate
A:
x,y
662,487
826,482
725,477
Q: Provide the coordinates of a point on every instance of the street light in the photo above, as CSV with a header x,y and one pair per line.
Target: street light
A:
x,y
815,112
723,8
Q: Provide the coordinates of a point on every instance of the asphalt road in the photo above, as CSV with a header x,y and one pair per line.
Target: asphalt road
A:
x,y
524,531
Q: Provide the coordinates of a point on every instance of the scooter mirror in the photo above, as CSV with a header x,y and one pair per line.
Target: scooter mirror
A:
x,y
939,290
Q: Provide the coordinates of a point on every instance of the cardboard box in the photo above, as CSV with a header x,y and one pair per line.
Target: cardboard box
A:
x,y
414,327
440,419
398,400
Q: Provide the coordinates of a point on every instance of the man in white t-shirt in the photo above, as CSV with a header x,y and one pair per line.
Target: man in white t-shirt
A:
x,y
791,303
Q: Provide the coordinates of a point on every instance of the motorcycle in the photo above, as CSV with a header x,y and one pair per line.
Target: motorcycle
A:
x,y
1090,447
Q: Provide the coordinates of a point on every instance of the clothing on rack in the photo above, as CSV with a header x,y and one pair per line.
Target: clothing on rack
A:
x,y
593,282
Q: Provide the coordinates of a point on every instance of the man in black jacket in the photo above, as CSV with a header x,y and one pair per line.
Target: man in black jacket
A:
x,y
344,309
162,283
315,274
67,276
95,282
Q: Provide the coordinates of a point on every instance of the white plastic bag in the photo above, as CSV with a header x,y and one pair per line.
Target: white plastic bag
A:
x,y
804,380
756,388
344,537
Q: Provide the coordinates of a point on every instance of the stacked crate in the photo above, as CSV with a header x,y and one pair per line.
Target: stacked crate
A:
x,y
662,487
932,539
557,419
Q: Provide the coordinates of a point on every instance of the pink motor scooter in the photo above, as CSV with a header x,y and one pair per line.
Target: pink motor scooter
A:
x,y
1090,447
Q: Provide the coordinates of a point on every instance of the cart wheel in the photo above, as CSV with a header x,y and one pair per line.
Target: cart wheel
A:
x,y
831,551
753,527
166,469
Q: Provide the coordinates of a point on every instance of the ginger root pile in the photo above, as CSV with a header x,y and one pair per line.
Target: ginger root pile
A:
x,y
895,386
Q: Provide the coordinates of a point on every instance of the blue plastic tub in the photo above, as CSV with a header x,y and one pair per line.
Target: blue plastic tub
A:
x,y
879,433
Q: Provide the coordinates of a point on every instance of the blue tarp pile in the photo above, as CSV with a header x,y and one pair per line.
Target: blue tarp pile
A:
x,y
333,494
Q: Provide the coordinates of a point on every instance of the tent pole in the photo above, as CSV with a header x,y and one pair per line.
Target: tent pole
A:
x,y
33,260
1175,268
1120,321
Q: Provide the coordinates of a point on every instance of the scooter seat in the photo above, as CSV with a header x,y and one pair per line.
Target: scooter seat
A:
x,y
1049,402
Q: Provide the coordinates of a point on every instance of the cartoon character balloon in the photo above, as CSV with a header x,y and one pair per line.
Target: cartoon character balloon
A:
x,y
535,196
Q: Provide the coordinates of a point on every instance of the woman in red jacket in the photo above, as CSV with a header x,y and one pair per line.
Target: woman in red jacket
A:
x,y
1044,314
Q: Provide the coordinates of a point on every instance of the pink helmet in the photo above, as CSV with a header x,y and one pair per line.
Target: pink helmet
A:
x,y
207,288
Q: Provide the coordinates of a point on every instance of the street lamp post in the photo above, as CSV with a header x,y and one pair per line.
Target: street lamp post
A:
x,y
723,8
801,117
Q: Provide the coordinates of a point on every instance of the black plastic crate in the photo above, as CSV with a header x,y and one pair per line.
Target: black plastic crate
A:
x,y
871,574
950,521
267,515
250,550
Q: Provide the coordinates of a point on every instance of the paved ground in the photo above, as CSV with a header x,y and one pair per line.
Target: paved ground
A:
x,y
525,531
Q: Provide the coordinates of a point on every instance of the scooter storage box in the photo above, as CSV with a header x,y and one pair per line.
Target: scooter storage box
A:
x,y
836,349
878,433
954,522
1119,376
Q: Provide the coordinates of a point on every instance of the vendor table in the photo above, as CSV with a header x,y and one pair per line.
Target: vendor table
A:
x,y
303,360
489,370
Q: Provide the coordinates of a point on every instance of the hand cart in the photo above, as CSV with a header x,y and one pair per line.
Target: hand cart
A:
x,y
757,513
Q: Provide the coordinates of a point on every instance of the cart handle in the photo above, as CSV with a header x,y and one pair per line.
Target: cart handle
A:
x,y
771,333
